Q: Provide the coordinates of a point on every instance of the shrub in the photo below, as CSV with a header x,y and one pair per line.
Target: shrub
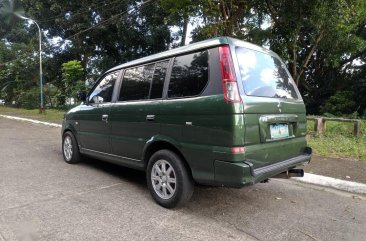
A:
x,y
341,104
29,99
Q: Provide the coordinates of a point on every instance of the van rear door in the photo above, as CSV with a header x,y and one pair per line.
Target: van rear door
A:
x,y
274,113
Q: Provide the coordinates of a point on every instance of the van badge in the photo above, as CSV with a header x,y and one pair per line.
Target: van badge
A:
x,y
279,106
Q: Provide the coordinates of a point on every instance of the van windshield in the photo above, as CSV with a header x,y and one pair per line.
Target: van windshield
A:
x,y
264,75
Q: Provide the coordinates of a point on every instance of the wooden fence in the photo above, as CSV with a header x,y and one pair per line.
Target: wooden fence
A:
x,y
320,124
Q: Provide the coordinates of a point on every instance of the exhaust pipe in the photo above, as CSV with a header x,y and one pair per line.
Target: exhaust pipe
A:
x,y
296,173
290,173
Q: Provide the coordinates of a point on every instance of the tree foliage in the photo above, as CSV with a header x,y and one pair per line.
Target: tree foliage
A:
x,y
341,103
72,81
323,42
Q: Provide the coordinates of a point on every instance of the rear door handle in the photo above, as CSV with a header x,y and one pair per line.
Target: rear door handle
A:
x,y
150,117
105,118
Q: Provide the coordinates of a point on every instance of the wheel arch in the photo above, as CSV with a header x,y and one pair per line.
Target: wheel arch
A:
x,y
70,128
162,144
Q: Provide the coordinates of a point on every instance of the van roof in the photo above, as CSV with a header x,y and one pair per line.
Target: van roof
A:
x,y
193,47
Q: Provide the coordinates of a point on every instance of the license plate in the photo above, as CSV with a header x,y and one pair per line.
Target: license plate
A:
x,y
279,131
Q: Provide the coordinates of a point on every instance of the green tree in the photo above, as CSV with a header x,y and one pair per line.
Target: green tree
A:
x,y
341,103
28,99
72,80
179,14
323,42
235,18
99,34
318,39
18,73
302,30
102,34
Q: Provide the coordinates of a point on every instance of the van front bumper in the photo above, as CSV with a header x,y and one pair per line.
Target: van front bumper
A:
x,y
239,174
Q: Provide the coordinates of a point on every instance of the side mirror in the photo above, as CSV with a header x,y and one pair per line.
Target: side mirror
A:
x,y
81,96
98,99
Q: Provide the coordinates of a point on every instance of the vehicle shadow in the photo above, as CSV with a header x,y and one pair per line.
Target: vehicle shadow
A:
x,y
124,173
203,196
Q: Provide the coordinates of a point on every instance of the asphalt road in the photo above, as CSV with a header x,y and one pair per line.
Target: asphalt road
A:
x,y
43,198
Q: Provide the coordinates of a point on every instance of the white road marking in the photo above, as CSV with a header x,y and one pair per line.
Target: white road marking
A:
x,y
348,186
339,184
31,120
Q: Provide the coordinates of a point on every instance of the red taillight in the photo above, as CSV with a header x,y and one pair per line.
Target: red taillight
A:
x,y
237,150
229,83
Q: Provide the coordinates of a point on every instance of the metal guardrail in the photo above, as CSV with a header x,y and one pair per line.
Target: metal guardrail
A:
x,y
320,124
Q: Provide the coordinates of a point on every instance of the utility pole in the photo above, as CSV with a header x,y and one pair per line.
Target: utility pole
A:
x,y
41,108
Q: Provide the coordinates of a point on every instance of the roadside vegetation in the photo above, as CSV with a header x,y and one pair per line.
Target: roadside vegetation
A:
x,y
51,115
338,141
323,43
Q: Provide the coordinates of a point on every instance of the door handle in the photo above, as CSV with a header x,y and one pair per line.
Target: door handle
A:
x,y
150,117
105,118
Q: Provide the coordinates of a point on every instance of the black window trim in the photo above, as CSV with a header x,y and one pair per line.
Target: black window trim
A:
x,y
136,66
151,82
119,83
171,69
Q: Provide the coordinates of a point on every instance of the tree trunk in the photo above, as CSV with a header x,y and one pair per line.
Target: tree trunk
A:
x,y
184,33
307,60
294,63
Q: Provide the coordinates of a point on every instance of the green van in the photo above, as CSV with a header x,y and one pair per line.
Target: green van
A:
x,y
220,112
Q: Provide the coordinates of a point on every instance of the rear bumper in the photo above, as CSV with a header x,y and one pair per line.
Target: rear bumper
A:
x,y
239,174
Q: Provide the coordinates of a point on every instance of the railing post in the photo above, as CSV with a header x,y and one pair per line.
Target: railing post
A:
x,y
319,125
357,128
315,125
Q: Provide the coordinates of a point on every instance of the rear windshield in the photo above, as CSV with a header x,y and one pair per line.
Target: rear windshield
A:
x,y
264,75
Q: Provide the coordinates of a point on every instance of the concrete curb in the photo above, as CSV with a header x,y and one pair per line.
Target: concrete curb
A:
x,y
339,184
31,120
348,186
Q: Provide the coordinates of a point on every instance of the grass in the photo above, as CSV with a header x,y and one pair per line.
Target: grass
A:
x,y
50,115
337,141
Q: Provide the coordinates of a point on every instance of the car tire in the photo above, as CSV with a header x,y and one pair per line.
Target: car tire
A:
x,y
70,149
169,179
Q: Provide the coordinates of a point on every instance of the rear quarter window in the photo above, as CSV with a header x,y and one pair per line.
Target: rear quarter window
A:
x,y
189,75
264,75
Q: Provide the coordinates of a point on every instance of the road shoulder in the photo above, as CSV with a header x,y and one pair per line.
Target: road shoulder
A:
x,y
348,170
31,120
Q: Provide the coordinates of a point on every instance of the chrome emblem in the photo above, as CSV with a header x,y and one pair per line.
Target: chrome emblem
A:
x,y
279,106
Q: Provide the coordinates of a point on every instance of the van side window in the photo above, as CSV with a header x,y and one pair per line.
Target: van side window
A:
x,y
158,80
136,83
104,90
189,75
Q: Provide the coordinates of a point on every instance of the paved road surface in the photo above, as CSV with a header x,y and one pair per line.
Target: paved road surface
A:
x,y
43,198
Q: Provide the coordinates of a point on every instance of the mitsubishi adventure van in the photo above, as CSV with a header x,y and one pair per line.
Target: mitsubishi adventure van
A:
x,y
219,112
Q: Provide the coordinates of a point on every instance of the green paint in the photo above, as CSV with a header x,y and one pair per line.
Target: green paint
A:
x,y
202,129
